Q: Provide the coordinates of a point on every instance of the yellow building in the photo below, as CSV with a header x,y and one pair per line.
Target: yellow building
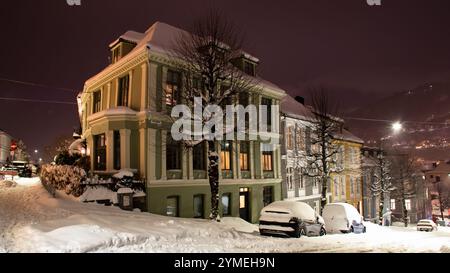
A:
x,y
346,183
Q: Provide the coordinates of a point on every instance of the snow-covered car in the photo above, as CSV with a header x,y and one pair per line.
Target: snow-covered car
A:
x,y
426,225
291,218
343,217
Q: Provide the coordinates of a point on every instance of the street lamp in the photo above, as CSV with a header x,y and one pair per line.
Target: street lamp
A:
x,y
397,127
36,151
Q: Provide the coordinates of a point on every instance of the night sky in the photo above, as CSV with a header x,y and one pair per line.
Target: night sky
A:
x,y
349,45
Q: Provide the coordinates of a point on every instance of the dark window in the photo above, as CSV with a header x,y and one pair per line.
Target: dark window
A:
x,y
173,154
243,99
268,102
97,102
308,140
199,157
100,152
226,204
116,150
116,54
267,157
172,206
199,206
122,95
225,155
249,68
438,179
244,156
173,83
267,195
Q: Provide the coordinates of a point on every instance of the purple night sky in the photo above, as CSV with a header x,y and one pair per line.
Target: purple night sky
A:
x,y
346,44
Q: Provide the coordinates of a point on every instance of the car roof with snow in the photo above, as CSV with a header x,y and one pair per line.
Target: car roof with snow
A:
x,y
298,209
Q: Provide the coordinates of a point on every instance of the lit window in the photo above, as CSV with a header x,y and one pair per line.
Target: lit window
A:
x,y
408,204
225,155
267,156
172,87
392,204
244,158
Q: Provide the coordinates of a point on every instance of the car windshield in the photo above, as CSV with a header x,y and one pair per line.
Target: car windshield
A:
x,y
424,222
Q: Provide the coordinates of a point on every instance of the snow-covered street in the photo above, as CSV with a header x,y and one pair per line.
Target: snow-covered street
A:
x,y
32,221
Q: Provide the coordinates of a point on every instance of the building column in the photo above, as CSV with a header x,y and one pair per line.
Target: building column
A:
x,y
219,149
233,159
109,150
184,162
144,87
237,159
252,159
143,152
108,95
150,150
152,87
163,89
278,161
191,163
90,150
130,88
163,155
125,148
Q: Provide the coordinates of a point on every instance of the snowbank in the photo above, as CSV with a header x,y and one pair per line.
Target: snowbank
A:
x,y
33,221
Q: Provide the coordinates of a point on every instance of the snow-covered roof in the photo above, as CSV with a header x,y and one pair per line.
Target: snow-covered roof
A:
x,y
129,36
161,38
347,136
295,109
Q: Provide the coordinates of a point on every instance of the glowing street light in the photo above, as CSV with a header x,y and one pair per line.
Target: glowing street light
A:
x,y
36,151
396,127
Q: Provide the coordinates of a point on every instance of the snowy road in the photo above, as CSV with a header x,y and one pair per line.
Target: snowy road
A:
x,y
32,221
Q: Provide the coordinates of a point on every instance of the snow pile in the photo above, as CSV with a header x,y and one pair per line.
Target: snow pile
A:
x,y
98,193
33,221
7,184
123,173
64,177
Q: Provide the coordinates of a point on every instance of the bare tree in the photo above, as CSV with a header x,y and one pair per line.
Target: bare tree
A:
x,y
382,183
206,55
323,154
404,181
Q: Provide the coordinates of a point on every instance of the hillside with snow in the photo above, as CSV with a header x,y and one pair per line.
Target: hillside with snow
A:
x,y
424,113
32,221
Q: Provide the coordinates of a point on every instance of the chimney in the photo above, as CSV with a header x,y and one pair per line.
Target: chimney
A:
x,y
300,99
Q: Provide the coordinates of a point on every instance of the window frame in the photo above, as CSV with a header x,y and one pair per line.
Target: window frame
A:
x,y
123,91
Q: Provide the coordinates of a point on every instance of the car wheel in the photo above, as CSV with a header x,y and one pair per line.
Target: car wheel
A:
x,y
297,231
351,229
323,232
364,230
302,231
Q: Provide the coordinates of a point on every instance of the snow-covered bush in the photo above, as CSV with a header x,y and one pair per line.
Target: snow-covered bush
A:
x,y
64,177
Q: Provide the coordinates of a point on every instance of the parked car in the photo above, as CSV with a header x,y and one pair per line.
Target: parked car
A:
x,y
292,219
426,225
21,167
343,217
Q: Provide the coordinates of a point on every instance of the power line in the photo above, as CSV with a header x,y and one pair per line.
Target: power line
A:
x,y
36,84
390,121
40,101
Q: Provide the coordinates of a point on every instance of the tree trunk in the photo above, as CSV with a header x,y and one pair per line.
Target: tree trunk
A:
x,y
213,176
323,201
381,208
404,212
